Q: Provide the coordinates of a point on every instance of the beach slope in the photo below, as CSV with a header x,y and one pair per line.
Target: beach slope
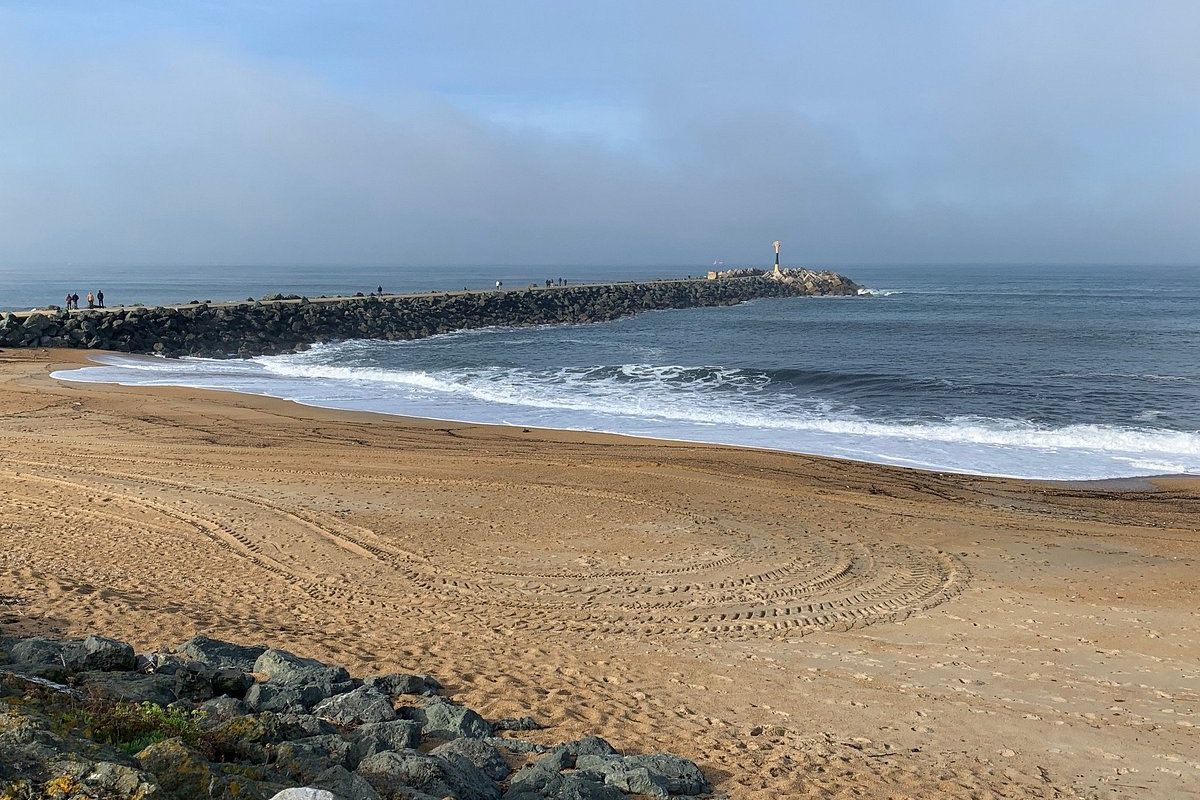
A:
x,y
801,627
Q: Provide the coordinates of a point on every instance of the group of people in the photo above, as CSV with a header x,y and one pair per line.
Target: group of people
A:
x,y
93,300
555,282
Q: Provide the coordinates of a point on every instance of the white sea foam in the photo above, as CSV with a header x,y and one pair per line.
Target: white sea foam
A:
x,y
707,404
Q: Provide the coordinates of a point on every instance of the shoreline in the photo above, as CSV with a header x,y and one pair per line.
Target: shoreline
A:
x,y
1129,481
797,625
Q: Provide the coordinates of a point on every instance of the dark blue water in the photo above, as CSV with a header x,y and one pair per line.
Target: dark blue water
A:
x,y
1051,372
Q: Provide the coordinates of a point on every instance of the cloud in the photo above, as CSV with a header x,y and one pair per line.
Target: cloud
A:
x,y
163,149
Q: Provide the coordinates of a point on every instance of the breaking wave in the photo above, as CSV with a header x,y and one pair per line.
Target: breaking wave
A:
x,y
784,409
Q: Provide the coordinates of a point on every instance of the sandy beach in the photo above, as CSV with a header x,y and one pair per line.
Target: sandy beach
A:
x,y
800,626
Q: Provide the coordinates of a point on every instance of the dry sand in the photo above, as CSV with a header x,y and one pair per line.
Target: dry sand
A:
x,y
802,627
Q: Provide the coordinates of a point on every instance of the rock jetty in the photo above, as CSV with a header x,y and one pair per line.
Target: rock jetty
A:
x,y
92,719
281,324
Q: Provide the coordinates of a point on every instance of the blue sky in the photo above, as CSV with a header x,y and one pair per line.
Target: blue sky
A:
x,y
561,132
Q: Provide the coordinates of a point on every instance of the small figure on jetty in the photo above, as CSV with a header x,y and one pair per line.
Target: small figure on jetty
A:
x,y
91,300
75,301
69,304
379,291
498,285
100,298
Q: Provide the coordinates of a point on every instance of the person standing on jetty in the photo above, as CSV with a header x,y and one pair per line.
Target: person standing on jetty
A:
x,y
68,301
498,285
91,300
100,298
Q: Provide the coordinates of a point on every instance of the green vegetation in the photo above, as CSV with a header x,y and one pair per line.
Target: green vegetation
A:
x,y
132,727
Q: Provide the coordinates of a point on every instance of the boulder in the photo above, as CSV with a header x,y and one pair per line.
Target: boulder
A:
x,y
161,663
38,650
194,681
517,724
356,707
306,793
515,745
254,736
378,737
441,719
398,683
479,754
221,709
590,746
183,774
99,653
345,785
560,786
657,774
129,687
218,654
273,697
305,759
390,773
282,667
231,681
106,779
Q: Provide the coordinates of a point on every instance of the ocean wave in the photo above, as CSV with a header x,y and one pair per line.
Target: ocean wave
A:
x,y
685,394
716,404
879,292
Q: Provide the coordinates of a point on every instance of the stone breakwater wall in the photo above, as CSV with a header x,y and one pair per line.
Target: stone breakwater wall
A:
x,y
266,327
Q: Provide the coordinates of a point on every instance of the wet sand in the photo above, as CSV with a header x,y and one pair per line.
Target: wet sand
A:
x,y
800,626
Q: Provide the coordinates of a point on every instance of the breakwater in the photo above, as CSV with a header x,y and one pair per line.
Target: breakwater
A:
x,y
279,325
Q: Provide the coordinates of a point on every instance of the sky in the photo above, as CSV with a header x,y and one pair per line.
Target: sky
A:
x,y
561,132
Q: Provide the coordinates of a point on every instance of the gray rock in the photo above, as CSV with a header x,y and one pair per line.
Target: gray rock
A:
x,y
379,737
517,724
38,650
477,753
273,697
669,773
222,709
107,779
441,719
181,773
556,760
390,773
515,745
99,653
397,683
532,779
217,654
305,793
282,667
231,681
591,746
130,687
356,707
304,759
194,681
561,786
161,663
254,736
345,785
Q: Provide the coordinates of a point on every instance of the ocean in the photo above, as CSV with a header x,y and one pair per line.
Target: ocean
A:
x,y
1048,372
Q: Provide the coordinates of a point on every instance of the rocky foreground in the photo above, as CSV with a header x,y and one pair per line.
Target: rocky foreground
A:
x,y
93,720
